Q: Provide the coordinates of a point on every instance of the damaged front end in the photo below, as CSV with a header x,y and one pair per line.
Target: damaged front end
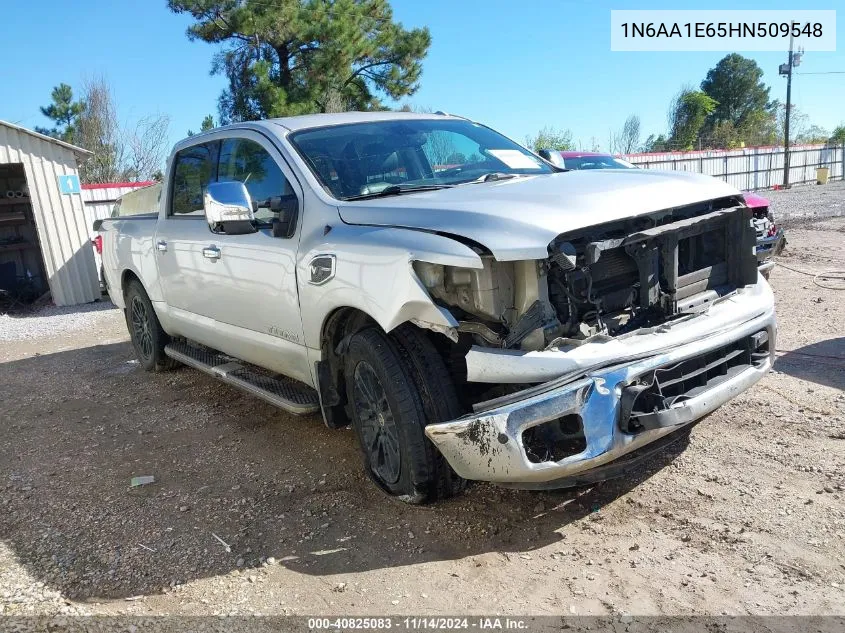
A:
x,y
625,333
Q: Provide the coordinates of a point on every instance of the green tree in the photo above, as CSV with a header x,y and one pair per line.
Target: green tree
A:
x,y
838,135
290,57
63,111
550,138
735,85
206,125
655,143
687,116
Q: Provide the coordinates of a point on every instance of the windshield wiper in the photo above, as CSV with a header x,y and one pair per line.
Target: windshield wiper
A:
x,y
396,190
493,175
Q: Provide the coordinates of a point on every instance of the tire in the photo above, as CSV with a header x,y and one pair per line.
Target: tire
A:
x,y
148,338
440,400
391,398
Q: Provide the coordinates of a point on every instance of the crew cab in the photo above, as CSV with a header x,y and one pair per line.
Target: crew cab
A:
x,y
471,310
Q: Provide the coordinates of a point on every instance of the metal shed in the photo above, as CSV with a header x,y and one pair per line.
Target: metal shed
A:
x,y
44,238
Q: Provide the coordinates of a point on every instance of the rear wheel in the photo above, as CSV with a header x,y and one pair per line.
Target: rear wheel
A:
x,y
148,338
391,400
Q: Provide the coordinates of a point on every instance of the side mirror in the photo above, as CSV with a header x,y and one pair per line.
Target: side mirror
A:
x,y
553,157
228,208
98,223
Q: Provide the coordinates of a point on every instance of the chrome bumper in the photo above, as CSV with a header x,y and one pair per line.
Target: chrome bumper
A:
x,y
768,246
488,446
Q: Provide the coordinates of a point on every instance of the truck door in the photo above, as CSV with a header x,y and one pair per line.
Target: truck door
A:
x,y
250,280
181,232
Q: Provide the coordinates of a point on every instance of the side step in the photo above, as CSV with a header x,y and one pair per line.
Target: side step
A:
x,y
286,393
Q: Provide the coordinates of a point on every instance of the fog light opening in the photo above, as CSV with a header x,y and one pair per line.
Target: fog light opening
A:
x,y
554,440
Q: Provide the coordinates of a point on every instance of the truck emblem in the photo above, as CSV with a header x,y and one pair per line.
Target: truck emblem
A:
x,y
322,269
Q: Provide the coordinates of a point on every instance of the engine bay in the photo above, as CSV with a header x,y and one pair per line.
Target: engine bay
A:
x,y
606,280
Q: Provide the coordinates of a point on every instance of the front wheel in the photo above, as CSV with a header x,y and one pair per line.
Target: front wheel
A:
x,y
148,337
391,400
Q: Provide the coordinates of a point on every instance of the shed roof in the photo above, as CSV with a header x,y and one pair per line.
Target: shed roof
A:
x,y
77,150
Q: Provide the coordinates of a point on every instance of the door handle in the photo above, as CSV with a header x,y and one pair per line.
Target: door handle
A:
x,y
211,252
161,245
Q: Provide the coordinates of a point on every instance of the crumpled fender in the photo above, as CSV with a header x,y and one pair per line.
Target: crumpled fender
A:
x,y
374,273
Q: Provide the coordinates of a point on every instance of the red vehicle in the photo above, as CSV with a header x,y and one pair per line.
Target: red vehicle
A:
x,y
585,160
770,236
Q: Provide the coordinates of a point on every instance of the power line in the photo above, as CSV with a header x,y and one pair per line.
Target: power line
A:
x,y
826,72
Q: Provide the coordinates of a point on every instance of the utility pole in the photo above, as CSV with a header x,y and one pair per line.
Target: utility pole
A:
x,y
786,69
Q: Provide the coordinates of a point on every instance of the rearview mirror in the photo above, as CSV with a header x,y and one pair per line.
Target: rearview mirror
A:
x,y
228,208
98,223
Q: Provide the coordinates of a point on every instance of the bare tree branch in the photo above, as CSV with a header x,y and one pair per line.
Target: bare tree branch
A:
x,y
121,152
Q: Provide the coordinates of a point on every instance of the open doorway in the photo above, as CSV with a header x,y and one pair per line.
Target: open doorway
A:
x,y
22,278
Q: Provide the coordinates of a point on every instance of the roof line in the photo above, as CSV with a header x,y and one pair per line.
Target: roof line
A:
x,y
44,137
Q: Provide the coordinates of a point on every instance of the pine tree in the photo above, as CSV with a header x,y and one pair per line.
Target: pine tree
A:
x,y
286,57
64,111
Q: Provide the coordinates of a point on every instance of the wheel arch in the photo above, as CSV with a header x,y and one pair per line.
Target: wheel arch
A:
x,y
337,329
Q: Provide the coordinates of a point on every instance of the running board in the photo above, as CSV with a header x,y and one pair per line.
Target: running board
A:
x,y
286,393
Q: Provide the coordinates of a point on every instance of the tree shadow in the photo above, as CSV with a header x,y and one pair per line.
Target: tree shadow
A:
x,y
822,362
231,473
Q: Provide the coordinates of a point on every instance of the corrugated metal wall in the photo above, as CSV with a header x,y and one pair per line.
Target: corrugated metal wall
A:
x,y
59,219
752,167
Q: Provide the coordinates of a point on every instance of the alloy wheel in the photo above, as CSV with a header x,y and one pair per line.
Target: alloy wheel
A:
x,y
379,432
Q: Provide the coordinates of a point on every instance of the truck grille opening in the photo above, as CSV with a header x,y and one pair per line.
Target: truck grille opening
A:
x,y
615,278
658,390
553,441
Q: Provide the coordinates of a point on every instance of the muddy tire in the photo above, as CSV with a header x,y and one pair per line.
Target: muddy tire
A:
x,y
148,338
391,399
439,397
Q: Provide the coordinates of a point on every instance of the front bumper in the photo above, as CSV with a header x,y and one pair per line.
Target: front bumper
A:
x,y
489,445
770,246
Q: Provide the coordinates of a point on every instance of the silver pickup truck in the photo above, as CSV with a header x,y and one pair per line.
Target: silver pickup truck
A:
x,y
474,312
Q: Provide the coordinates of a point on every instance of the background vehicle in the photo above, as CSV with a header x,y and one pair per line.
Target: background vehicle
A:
x,y
472,311
585,160
771,238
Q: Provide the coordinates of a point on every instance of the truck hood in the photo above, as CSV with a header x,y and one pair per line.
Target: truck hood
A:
x,y
517,218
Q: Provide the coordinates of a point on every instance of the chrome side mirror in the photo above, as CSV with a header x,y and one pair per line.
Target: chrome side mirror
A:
x,y
228,208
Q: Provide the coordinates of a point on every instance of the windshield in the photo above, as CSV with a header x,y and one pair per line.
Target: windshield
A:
x,y
597,162
362,159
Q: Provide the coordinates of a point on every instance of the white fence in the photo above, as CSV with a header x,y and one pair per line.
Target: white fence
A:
x,y
752,167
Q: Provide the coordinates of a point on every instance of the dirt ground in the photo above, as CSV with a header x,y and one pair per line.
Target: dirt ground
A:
x,y
746,517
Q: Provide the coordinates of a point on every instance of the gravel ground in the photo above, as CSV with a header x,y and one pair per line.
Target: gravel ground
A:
x,y
807,202
744,516
50,321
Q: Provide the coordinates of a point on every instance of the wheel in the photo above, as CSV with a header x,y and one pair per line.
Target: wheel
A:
x,y
395,385
148,338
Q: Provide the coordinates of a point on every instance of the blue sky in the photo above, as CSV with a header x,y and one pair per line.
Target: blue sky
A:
x,y
517,66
